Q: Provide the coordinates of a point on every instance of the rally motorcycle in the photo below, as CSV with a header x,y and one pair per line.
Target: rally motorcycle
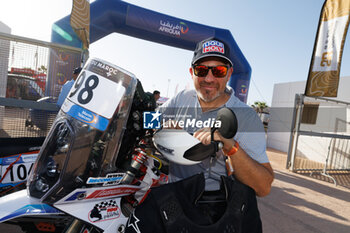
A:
x,y
99,159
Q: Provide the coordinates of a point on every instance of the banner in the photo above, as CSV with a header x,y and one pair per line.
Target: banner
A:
x,y
109,16
80,21
323,78
61,65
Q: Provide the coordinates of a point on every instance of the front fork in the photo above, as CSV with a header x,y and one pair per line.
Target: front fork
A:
x,y
78,226
138,159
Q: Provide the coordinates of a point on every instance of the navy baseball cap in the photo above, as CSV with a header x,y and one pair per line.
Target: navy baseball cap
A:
x,y
211,47
77,70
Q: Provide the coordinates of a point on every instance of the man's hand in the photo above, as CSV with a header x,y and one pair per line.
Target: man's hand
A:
x,y
204,135
258,176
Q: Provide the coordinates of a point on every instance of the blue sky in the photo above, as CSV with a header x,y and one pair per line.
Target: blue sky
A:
x,y
276,37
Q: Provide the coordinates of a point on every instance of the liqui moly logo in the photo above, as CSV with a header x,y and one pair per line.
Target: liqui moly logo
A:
x,y
213,46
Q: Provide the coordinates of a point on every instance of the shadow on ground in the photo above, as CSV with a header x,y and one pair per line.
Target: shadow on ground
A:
x,y
342,178
296,204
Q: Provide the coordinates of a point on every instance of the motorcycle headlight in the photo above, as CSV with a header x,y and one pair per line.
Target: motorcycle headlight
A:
x,y
51,168
48,169
41,185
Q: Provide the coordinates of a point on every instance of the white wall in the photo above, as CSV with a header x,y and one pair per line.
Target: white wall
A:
x,y
281,114
313,148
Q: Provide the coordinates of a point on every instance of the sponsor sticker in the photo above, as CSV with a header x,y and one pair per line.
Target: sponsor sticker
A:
x,y
85,115
110,179
101,192
105,210
213,46
119,191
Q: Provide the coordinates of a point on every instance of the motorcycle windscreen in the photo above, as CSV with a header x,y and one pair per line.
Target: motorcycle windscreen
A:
x,y
86,135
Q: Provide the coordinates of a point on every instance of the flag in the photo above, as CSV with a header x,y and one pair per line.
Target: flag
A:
x,y
80,21
176,89
13,55
323,78
36,58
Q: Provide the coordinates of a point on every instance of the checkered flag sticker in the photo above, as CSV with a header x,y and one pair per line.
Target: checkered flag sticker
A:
x,y
105,204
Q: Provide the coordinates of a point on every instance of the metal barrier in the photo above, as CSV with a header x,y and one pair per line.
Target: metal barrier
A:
x,y
320,137
338,158
25,65
25,118
32,73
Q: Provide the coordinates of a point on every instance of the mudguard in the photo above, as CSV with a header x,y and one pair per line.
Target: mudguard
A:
x,y
20,204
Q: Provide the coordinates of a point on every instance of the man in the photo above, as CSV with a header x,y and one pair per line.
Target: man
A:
x,y
156,95
176,207
246,153
153,97
67,86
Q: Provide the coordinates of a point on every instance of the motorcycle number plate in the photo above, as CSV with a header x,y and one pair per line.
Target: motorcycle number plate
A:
x,y
96,93
19,171
16,173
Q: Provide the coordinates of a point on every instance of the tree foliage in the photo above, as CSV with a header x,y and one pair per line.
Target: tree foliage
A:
x,y
259,106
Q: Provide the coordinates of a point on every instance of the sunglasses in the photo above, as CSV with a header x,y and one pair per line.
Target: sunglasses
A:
x,y
217,71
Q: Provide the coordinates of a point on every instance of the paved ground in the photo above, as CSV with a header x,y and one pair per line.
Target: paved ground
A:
x,y
299,203
296,204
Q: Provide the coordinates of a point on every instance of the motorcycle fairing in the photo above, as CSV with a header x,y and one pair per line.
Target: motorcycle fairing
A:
x,y
105,214
86,142
91,194
20,204
86,136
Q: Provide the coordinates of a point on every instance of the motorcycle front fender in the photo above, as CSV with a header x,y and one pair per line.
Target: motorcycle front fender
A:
x,y
20,204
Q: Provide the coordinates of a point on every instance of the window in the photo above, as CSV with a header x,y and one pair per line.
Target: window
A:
x,y
310,111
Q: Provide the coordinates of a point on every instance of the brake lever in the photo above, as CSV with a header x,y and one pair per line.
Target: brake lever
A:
x,y
218,145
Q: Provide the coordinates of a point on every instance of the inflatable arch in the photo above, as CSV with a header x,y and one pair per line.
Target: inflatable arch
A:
x,y
108,16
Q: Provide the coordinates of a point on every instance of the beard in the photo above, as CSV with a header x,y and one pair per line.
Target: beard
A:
x,y
208,95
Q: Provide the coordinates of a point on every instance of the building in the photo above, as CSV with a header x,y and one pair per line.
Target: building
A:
x,y
4,55
318,116
4,59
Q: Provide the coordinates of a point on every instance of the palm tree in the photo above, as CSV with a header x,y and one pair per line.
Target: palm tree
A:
x,y
42,69
259,106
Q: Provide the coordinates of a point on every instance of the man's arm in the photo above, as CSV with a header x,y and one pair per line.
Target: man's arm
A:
x,y
258,176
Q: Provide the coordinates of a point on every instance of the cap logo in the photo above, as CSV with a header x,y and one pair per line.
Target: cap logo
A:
x,y
213,46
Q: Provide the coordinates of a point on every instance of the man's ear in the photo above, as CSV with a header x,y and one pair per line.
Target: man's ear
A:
x,y
191,72
230,71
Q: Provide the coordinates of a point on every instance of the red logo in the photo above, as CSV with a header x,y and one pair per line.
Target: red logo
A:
x,y
63,57
213,46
